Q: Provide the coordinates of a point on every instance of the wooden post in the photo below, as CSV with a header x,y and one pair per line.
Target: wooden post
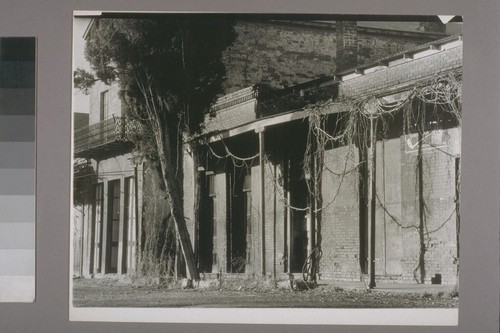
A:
x,y
373,142
137,237
82,240
260,131
274,229
288,226
421,204
91,233
457,207
312,214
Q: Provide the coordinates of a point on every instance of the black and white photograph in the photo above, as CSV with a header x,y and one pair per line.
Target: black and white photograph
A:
x,y
266,168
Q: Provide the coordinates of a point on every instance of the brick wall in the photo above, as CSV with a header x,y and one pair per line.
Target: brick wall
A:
x,y
397,254
283,55
278,55
397,243
403,74
439,197
347,45
340,217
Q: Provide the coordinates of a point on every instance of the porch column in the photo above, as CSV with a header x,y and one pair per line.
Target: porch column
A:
x,y
139,181
134,228
373,142
82,241
260,131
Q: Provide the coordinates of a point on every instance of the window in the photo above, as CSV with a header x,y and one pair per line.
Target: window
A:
x,y
211,185
104,105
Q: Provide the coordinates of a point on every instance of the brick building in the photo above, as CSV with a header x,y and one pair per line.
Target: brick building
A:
x,y
266,209
256,214
282,53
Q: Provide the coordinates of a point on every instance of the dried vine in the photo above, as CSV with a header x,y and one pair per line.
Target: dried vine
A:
x,y
352,129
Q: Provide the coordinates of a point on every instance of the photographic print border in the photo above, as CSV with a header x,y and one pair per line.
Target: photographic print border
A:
x,y
268,315
51,21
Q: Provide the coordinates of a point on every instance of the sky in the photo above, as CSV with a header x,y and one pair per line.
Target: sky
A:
x,y
80,101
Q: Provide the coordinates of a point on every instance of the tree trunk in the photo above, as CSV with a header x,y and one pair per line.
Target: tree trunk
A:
x,y
174,197
162,130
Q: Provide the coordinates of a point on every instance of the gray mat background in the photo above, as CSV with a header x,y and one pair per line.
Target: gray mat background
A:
x,y
51,22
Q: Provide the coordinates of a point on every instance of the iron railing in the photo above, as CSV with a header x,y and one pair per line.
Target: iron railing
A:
x,y
100,134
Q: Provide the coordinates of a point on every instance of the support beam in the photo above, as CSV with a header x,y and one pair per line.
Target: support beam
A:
x,y
82,240
260,131
331,108
373,179
312,214
288,219
137,238
421,204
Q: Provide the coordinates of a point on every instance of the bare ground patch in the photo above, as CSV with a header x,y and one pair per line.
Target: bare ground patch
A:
x,y
116,293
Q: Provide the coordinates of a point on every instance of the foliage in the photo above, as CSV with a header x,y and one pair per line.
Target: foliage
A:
x,y
178,59
157,256
84,177
83,80
170,71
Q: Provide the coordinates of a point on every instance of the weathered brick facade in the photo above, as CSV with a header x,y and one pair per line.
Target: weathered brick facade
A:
x,y
284,54
340,217
399,239
405,74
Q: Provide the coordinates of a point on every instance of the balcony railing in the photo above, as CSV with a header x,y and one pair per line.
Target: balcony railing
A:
x,y
296,97
101,137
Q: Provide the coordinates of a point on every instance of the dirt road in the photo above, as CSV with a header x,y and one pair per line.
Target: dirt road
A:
x,y
115,293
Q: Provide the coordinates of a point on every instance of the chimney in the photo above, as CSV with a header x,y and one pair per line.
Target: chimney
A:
x,y
347,45
433,27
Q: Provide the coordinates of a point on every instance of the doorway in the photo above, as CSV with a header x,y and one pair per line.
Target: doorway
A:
x,y
113,231
208,224
298,198
240,221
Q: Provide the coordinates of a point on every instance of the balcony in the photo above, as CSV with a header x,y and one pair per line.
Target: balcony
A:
x,y
296,97
103,139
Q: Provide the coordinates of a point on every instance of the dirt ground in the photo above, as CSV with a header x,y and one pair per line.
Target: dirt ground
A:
x,y
116,293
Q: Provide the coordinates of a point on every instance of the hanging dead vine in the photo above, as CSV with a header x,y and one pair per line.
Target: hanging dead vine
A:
x,y
419,110
442,93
